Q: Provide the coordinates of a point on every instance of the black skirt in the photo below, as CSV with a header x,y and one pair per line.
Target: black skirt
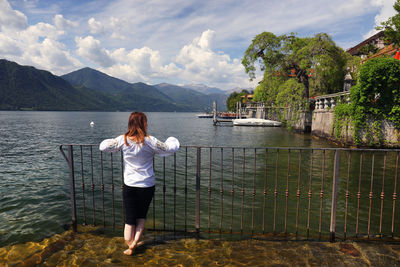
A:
x,y
136,202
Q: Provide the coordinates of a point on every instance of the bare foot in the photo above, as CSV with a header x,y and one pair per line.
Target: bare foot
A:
x,y
128,251
132,245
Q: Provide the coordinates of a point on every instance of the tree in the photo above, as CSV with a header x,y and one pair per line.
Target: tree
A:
x,y
234,98
268,89
392,26
280,55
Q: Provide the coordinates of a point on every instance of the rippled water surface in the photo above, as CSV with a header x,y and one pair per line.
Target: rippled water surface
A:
x,y
34,189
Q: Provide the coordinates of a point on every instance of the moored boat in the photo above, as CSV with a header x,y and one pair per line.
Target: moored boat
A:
x,y
256,122
205,115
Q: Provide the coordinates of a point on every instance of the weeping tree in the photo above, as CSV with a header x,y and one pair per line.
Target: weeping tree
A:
x,y
318,58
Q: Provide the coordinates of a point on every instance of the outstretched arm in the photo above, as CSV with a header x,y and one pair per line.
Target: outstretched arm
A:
x,y
112,145
169,147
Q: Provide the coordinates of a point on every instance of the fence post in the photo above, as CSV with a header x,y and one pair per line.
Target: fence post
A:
x,y
198,190
334,194
72,186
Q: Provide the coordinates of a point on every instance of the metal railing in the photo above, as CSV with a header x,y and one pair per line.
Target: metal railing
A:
x,y
302,193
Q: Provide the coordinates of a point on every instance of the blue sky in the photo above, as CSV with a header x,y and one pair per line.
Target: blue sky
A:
x,y
174,41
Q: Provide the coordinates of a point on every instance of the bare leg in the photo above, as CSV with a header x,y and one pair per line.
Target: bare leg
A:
x,y
129,233
140,223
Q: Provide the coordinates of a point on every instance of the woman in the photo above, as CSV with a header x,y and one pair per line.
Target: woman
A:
x,y
138,149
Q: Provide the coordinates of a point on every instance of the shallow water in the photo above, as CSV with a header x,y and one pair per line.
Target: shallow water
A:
x,y
34,199
34,186
92,247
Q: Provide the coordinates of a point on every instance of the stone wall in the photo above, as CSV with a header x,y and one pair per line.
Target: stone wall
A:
x,y
323,125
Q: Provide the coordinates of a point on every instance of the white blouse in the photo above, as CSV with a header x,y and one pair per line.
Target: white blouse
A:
x,y
138,158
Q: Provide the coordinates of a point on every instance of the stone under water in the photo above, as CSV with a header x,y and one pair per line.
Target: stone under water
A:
x,y
94,247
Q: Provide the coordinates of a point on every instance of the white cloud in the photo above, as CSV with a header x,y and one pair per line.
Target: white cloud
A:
x,y
142,64
91,49
40,31
386,11
62,23
9,46
203,65
10,18
50,53
155,41
36,45
95,26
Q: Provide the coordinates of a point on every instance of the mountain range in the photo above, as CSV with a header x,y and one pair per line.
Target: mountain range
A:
x,y
28,88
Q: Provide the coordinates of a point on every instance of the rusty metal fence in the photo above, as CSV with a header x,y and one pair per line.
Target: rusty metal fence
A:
x,y
294,193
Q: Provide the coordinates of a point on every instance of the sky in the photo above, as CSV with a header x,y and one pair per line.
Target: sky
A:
x,y
173,41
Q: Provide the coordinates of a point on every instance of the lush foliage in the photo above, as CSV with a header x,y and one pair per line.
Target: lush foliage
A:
x,y
375,98
392,26
268,89
343,113
234,98
280,56
290,95
378,91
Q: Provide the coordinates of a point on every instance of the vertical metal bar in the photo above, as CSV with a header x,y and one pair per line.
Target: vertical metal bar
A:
x,y
254,191
174,192
335,185
359,194
72,186
164,190
154,199
321,195
186,191
382,194
309,194
243,175
83,188
347,193
371,194
122,186
92,186
221,191
112,190
232,189
298,195
209,192
102,188
276,189
198,167
265,189
395,192
287,193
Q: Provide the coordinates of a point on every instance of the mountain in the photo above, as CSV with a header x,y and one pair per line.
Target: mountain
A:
x,y
239,89
27,88
198,101
204,89
139,96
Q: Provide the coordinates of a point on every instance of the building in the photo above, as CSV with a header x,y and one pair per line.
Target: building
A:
x,y
372,47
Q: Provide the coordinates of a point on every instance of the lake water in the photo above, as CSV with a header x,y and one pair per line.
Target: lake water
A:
x,y
34,186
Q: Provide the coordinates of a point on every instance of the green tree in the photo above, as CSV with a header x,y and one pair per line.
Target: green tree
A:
x,y
268,89
392,26
279,55
234,98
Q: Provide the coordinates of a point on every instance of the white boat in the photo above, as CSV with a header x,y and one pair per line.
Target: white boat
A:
x,y
256,122
205,115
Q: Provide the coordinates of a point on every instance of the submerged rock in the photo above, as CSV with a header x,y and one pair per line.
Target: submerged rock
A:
x,y
91,247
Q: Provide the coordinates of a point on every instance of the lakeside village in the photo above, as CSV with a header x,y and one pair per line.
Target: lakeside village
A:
x,y
360,108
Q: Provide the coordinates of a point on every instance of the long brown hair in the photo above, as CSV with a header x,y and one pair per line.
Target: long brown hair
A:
x,y
137,128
